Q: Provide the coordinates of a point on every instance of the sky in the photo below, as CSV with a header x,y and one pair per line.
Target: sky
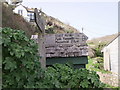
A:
x,y
96,18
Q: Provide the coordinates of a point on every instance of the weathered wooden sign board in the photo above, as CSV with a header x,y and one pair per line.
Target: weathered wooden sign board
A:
x,y
66,45
41,25
68,38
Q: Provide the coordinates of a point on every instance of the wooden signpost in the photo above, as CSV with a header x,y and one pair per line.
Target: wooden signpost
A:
x,y
41,39
66,45
59,45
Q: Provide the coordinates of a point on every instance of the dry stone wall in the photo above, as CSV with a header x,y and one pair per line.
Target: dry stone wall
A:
x,y
110,79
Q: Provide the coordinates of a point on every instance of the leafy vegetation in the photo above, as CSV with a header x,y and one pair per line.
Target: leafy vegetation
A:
x,y
98,49
96,64
21,67
49,29
64,76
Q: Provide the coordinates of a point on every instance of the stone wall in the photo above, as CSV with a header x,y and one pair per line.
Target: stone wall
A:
x,y
109,78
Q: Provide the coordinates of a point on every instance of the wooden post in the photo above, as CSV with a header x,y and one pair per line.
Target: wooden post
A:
x,y
41,39
42,51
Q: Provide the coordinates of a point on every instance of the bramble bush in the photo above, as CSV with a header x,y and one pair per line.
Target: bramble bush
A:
x,y
21,67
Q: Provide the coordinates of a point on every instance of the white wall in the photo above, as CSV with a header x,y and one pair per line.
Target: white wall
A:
x,y
111,56
20,7
119,56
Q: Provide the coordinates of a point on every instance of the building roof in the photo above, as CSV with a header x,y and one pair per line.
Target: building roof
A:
x,y
66,45
111,41
114,38
28,9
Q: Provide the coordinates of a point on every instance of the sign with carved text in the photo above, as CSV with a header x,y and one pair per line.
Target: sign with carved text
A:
x,y
66,45
68,38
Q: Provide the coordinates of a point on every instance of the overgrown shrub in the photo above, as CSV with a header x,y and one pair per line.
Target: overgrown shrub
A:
x,y
98,62
98,49
20,64
49,30
64,76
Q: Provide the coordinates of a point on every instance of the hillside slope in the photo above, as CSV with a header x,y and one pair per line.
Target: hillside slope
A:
x,y
15,21
58,26
104,39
